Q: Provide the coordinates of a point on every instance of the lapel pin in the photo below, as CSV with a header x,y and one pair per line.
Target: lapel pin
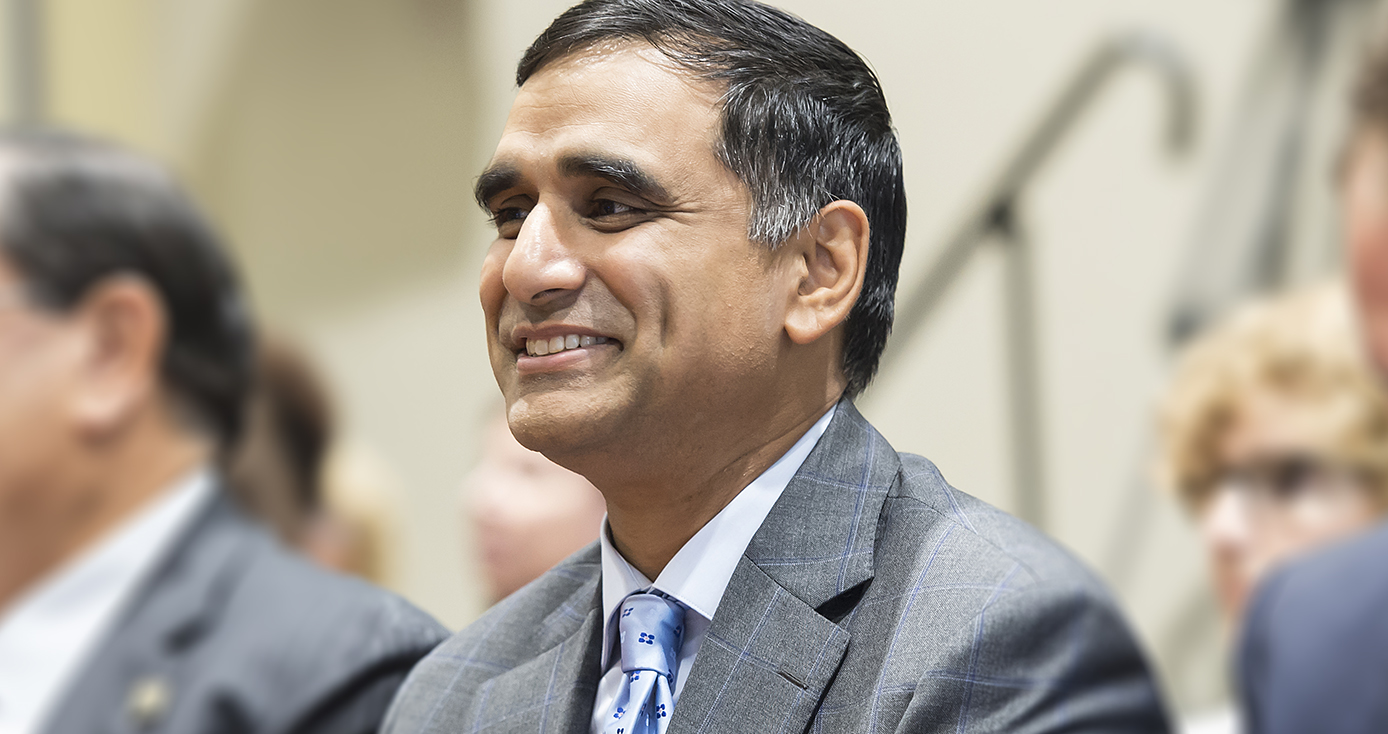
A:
x,y
148,701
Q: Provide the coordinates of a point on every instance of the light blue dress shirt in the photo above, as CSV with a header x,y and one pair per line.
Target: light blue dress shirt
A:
x,y
699,573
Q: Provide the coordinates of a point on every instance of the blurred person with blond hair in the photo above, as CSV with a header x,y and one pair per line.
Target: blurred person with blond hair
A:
x,y
133,595
528,513
1314,654
1275,439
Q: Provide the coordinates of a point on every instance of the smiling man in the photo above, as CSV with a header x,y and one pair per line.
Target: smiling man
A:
x,y
700,214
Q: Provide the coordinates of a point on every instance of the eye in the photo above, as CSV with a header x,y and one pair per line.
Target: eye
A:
x,y
507,220
1294,476
610,208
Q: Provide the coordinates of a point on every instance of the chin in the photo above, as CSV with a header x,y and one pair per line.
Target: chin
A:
x,y
560,424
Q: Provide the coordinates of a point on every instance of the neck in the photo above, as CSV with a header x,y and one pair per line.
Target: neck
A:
x,y
652,514
41,541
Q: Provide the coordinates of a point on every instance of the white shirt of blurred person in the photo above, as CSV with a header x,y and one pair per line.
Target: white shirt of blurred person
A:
x,y
47,633
528,513
1275,441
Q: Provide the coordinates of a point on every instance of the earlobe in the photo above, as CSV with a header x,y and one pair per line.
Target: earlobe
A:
x,y
831,262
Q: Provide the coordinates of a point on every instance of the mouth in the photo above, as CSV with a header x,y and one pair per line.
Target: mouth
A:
x,y
555,352
540,346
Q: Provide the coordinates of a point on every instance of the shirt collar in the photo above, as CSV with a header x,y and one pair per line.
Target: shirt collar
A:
x,y
49,631
699,573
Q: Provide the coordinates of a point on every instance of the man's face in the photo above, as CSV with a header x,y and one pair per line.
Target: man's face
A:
x,y
1283,489
37,358
621,234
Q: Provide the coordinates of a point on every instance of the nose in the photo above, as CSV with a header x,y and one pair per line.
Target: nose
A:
x,y
542,268
1226,524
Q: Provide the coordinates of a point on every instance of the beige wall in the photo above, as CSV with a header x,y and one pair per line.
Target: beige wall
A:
x,y
335,140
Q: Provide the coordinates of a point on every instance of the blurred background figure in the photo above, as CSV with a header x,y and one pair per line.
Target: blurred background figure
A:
x,y
133,595
1275,439
277,472
527,512
289,473
1314,654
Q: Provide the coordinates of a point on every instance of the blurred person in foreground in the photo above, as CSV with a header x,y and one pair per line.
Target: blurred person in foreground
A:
x,y
700,215
527,512
1275,439
287,472
133,596
1315,647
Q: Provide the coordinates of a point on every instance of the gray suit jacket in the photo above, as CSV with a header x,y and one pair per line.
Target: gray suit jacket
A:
x,y
233,633
874,598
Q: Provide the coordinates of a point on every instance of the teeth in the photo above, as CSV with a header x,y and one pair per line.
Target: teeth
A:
x,y
553,345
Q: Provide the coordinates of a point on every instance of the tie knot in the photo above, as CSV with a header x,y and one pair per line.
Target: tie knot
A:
x,y
651,628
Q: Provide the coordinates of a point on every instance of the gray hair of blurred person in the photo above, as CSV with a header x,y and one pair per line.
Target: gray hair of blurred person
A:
x,y
75,211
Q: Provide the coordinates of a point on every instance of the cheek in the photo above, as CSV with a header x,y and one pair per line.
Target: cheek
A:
x,y
1368,240
34,436
1366,224
1332,524
491,289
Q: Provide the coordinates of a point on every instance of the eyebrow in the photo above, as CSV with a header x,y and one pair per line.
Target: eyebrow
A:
x,y
496,179
618,171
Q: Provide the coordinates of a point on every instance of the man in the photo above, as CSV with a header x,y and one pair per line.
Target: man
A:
x,y
700,213
1315,649
133,597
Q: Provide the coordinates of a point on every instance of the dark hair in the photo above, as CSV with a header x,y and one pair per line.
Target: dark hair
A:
x,y
1370,98
75,211
804,124
277,471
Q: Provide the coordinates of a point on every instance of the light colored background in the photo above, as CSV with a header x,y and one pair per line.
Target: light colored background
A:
x,y
335,141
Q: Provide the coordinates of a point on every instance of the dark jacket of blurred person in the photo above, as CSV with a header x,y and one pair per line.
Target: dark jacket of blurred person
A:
x,y
1315,647
133,595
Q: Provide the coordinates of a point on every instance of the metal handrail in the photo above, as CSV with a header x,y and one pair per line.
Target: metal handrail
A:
x,y
1008,186
996,219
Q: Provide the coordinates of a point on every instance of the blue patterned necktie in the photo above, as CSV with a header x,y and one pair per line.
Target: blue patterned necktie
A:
x,y
651,627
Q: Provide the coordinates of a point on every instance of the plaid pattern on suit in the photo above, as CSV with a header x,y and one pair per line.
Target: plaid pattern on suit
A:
x,y
874,598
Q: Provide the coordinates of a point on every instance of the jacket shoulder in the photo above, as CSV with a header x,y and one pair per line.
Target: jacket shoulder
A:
x,y
296,645
289,601
539,617
998,622
1313,633
995,536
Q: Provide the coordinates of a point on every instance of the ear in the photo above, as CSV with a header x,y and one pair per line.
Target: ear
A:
x,y
124,329
829,257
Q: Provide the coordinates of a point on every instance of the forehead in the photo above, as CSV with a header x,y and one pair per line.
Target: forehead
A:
x,y
629,101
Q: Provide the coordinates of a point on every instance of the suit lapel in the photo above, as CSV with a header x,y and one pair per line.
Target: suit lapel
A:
x,y
132,681
554,691
773,647
765,663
